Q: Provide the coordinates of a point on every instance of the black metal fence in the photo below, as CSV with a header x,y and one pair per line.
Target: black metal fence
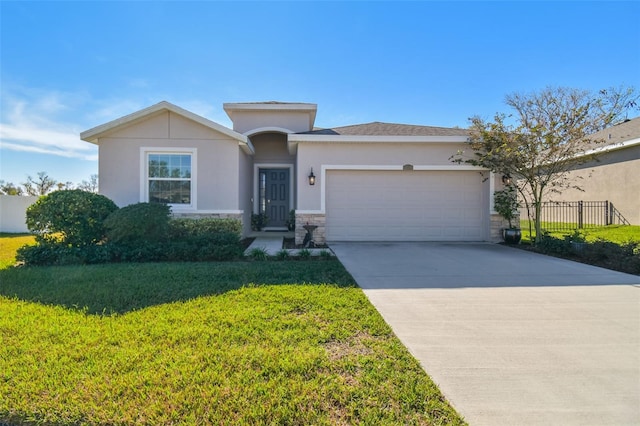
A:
x,y
570,215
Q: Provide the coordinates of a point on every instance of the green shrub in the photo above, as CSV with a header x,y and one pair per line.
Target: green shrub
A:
x,y
258,253
73,217
144,233
325,254
216,246
181,228
283,254
553,245
259,221
621,257
304,254
55,253
139,251
139,222
43,253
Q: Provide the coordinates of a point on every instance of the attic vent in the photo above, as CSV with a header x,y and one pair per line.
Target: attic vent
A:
x,y
407,167
609,135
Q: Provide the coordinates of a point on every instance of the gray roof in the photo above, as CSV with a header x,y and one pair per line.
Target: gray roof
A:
x,y
621,132
390,129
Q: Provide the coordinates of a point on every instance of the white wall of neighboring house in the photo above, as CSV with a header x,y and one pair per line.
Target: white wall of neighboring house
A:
x,y
13,212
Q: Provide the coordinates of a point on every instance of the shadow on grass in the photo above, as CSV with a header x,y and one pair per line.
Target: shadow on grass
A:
x,y
120,288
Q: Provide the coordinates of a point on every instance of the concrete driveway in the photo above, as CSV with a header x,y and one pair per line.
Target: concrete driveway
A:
x,y
511,337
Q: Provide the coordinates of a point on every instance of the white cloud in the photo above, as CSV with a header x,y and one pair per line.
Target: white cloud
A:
x,y
50,121
33,121
50,151
25,135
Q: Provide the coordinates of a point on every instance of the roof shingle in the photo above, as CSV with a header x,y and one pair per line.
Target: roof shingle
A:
x,y
621,132
377,128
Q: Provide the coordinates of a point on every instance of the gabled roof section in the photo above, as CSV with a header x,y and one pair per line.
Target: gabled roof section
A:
x,y
377,128
94,134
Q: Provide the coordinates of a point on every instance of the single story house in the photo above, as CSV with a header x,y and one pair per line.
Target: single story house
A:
x,y
615,174
366,182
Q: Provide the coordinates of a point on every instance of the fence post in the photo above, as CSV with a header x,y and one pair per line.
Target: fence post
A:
x,y
580,215
608,214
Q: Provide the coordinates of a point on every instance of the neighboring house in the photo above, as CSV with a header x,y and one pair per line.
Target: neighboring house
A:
x,y
373,182
615,174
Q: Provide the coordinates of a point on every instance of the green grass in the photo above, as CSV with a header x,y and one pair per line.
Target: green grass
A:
x,y
203,343
9,243
614,233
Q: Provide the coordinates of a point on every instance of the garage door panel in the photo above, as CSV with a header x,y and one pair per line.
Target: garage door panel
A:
x,y
404,206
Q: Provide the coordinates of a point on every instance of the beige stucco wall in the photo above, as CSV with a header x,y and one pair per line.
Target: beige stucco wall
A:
x,y
246,121
616,178
217,160
271,148
13,209
373,154
245,190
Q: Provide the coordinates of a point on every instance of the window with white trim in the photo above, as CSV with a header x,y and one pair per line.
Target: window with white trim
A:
x,y
169,178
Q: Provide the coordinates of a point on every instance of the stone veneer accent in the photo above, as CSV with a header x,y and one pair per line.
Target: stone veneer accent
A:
x,y
497,224
319,235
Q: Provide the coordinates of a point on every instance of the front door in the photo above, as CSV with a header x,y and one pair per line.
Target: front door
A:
x,y
274,196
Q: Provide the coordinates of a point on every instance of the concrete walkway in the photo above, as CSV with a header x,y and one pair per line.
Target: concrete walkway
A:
x,y
511,337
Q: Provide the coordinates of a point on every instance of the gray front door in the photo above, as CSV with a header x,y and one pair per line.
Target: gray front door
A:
x,y
274,196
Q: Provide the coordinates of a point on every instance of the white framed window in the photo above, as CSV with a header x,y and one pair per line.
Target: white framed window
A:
x,y
168,176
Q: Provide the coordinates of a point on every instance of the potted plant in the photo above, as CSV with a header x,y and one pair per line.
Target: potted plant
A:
x,y
258,221
506,204
291,222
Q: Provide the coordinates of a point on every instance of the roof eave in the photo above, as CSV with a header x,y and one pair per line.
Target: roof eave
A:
x,y
375,139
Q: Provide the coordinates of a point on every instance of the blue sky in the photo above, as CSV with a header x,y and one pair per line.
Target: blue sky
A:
x,y
70,66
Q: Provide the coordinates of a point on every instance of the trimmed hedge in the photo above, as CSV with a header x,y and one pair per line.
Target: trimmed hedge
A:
x,y
181,228
58,254
183,240
138,223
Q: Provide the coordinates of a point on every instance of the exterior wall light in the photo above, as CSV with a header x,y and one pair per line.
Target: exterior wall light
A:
x,y
312,178
506,179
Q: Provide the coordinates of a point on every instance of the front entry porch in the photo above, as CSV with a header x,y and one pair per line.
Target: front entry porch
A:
x,y
274,195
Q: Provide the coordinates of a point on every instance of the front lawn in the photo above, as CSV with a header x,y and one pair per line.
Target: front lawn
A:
x,y
9,243
291,342
619,234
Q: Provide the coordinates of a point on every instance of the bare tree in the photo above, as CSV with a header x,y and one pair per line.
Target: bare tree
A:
x,y
9,188
66,185
551,136
91,185
40,186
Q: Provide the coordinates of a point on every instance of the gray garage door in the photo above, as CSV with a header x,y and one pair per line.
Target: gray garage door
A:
x,y
405,206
